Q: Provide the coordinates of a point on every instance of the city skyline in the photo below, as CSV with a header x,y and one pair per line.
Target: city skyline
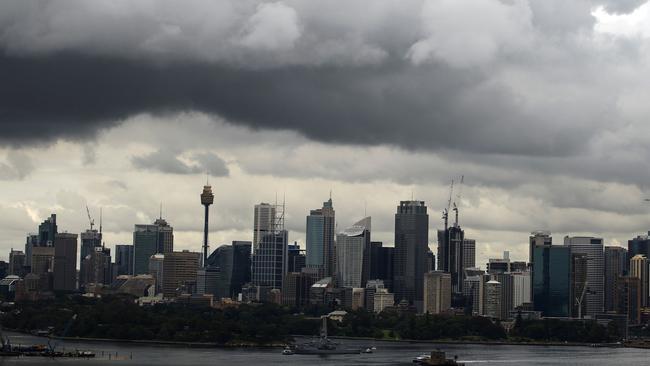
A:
x,y
543,115
433,242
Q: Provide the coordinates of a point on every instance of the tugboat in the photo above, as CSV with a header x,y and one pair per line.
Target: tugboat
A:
x,y
323,345
437,358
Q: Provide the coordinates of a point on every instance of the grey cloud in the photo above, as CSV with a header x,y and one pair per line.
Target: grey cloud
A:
x,y
18,165
167,161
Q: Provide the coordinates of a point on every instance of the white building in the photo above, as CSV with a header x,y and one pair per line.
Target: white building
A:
x,y
383,299
352,254
437,292
520,288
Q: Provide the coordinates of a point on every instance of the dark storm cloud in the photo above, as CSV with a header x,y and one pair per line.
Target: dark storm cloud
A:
x,y
167,161
416,107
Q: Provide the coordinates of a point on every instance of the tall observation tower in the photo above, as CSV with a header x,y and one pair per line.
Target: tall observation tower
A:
x,y
206,200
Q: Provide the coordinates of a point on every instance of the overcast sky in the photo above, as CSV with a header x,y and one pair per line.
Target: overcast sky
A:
x,y
542,105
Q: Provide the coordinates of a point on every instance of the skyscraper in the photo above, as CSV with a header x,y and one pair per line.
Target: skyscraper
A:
x,y
165,236
149,240
320,239
179,272
17,263
538,238
207,198
638,245
124,259
579,284
270,260
47,231
65,262
411,245
353,255
616,265
437,292
492,298
90,239
381,264
506,288
263,221
551,277
593,249
639,269
234,263
30,242
296,258
450,255
628,294
97,267
469,253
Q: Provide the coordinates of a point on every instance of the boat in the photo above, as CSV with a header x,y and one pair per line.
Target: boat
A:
x,y
287,351
367,350
436,358
324,346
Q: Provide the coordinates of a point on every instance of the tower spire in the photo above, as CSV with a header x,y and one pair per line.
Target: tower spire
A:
x,y
207,198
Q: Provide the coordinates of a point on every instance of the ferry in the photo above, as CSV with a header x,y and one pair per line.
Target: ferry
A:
x,y
436,358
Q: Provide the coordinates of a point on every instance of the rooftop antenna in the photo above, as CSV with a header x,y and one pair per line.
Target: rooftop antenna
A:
x,y
161,210
100,220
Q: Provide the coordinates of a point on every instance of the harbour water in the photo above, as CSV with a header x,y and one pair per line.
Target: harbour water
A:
x,y
387,353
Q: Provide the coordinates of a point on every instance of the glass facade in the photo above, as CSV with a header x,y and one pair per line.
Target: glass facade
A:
x,y
552,280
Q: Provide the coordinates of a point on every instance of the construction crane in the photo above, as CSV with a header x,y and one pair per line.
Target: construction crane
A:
x,y
445,212
53,345
90,219
457,200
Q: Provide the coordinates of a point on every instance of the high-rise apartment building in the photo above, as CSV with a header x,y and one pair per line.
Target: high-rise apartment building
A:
x,y
437,292
65,262
493,297
353,255
616,265
320,239
411,245
594,250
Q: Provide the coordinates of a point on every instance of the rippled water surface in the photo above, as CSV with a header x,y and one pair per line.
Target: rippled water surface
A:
x,y
386,354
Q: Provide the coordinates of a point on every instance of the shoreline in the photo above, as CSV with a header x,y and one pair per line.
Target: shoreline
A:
x,y
491,343
182,344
